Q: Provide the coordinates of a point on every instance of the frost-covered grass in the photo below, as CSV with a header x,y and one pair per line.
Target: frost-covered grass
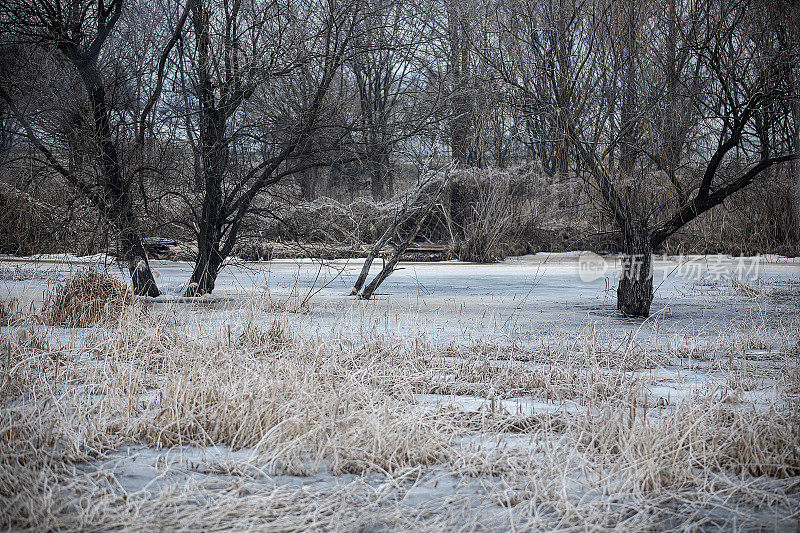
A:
x,y
235,414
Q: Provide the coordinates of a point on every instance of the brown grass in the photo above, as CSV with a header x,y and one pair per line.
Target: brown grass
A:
x,y
89,297
344,416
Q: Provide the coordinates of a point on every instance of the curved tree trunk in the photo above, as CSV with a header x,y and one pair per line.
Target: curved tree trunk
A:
x,y
118,206
401,247
134,254
370,289
635,289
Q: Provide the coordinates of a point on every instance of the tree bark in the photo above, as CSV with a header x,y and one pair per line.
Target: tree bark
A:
x,y
120,210
401,217
206,270
370,289
214,154
385,238
796,167
117,203
628,145
135,256
794,21
635,289
461,120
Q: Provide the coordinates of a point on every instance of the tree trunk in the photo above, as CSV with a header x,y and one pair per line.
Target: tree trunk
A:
x,y
214,150
376,181
405,212
635,290
118,208
205,272
380,173
370,289
209,258
564,85
796,162
387,235
135,256
672,144
796,168
628,110
410,208
461,119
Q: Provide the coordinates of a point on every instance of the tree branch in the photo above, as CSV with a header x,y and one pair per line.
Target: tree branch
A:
x,y
700,204
82,186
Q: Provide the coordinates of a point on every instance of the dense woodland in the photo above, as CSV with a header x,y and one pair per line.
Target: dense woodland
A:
x,y
227,125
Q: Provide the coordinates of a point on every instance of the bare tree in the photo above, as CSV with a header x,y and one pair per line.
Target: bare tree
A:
x,y
711,73
195,111
377,70
395,67
791,38
415,210
247,59
80,34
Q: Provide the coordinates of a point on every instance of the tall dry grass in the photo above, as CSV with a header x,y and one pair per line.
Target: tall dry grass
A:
x,y
89,297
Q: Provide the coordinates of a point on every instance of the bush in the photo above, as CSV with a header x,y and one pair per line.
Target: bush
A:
x,y
488,208
91,296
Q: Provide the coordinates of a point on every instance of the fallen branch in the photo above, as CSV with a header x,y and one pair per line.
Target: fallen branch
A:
x,y
390,265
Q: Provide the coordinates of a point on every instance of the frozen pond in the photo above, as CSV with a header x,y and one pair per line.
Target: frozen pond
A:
x,y
536,298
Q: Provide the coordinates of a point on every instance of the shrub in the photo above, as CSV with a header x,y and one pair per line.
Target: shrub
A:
x,y
91,296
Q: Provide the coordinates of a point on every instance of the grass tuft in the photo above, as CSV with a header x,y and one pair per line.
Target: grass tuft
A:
x,y
89,297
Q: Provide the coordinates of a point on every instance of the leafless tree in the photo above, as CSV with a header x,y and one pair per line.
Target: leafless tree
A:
x,y
80,35
629,137
192,113
250,60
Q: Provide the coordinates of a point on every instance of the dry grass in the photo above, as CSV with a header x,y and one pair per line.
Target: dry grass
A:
x,y
749,290
89,297
344,415
9,312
